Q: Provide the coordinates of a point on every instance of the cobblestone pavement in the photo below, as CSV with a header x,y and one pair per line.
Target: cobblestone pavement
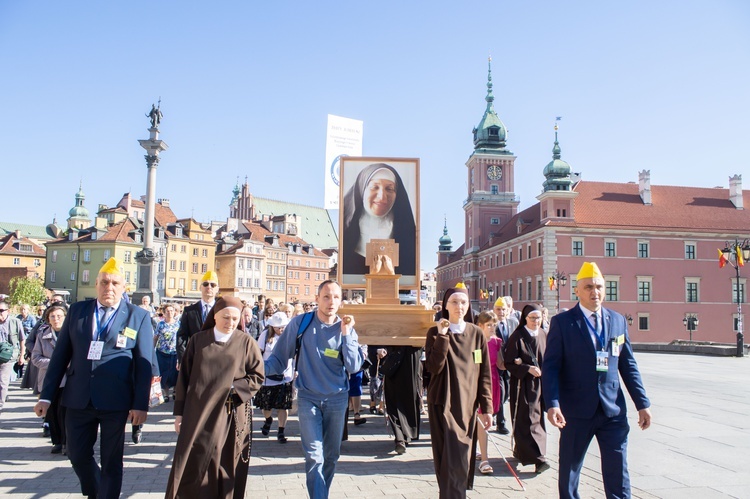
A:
x,y
695,448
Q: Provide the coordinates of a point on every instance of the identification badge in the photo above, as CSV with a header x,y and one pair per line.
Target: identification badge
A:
x,y
330,352
621,339
122,340
95,350
615,349
130,333
477,356
602,361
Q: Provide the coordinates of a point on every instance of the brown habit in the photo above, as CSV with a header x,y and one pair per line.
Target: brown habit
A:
x,y
526,404
207,460
460,383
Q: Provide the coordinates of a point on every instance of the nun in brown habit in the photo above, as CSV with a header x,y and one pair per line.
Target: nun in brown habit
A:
x,y
459,364
221,370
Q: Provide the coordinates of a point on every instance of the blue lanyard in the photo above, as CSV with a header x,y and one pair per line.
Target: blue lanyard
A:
x,y
101,328
600,336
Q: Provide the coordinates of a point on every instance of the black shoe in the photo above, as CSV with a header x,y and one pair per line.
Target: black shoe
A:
x,y
282,439
400,448
56,449
541,467
359,420
266,428
45,431
373,409
137,435
502,430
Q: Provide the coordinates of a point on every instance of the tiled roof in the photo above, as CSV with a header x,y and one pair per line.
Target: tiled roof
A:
x,y
317,226
259,233
118,232
8,246
609,204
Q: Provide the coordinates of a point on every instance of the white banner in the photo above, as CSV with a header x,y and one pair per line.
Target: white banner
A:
x,y
343,138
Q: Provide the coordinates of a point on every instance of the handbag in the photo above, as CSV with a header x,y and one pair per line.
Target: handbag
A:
x,y
156,397
6,352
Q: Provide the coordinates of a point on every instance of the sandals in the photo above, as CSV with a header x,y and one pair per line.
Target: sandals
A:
x,y
485,468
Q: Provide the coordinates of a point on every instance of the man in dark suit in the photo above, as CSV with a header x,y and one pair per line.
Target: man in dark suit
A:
x,y
193,316
588,350
505,327
105,348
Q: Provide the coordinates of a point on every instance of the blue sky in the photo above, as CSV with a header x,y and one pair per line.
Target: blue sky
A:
x,y
246,88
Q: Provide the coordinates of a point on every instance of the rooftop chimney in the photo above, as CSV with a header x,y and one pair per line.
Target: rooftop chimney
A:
x,y
735,191
644,186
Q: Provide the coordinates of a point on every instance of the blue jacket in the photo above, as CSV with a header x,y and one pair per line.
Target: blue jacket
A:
x,y
121,380
570,380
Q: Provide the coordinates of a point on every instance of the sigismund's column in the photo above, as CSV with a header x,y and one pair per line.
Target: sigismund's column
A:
x,y
147,258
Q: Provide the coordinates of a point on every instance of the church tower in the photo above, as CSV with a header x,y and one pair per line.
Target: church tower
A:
x,y
557,199
491,201
79,215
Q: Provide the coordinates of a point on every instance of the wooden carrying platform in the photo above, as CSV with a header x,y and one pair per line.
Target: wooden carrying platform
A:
x,y
390,324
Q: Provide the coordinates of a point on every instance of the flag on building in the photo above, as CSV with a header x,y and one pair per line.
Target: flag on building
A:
x,y
740,260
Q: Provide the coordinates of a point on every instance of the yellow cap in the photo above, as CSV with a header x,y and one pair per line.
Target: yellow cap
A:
x,y
589,270
210,276
111,267
460,285
500,302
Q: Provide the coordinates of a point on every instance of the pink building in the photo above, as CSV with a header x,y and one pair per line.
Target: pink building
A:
x,y
657,245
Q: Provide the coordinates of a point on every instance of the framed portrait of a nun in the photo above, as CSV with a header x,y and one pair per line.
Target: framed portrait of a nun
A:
x,y
379,200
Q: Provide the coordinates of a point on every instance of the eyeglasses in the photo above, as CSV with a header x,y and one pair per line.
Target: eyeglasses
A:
x,y
533,318
207,284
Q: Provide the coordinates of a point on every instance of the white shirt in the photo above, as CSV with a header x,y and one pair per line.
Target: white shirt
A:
x,y
588,314
102,320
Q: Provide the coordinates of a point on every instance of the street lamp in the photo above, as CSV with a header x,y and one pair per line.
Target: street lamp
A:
x,y
490,295
690,321
556,280
735,253
629,318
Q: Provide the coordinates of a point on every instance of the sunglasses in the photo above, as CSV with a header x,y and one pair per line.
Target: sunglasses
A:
x,y
3,310
207,284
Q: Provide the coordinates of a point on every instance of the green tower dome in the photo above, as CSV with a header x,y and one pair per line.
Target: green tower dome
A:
x,y
79,211
491,132
445,240
557,172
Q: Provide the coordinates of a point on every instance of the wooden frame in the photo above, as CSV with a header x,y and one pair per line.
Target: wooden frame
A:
x,y
354,173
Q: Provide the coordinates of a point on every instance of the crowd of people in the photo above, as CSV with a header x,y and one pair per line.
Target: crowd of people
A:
x,y
96,364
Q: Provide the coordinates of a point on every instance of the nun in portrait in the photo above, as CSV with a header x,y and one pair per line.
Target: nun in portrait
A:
x,y
377,207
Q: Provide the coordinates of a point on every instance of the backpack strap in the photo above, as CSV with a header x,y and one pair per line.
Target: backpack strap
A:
x,y
303,325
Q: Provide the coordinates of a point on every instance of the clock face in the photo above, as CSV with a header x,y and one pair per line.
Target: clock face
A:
x,y
494,172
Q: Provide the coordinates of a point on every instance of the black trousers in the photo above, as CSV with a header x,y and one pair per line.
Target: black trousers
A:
x,y
81,426
56,419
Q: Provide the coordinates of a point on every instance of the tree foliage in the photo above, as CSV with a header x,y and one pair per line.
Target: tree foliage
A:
x,y
29,290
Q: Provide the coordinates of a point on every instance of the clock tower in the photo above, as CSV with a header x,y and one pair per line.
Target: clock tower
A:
x,y
490,202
